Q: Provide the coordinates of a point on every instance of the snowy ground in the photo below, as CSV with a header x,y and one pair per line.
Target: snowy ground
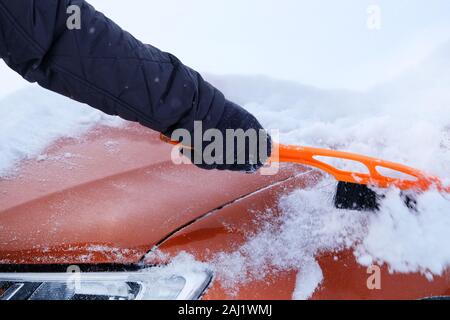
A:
x,y
405,120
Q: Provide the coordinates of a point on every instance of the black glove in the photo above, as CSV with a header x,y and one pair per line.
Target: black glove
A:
x,y
248,159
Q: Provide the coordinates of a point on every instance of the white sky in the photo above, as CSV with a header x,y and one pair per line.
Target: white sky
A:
x,y
324,43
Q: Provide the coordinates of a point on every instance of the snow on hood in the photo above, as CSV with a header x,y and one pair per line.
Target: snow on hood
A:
x,y
32,119
406,121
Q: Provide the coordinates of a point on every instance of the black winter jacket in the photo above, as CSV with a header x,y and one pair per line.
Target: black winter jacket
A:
x,y
104,66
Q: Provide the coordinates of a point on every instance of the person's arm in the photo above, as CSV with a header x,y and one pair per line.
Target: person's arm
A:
x,y
107,68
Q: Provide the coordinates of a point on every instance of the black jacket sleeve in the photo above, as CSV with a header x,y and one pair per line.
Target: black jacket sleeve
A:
x,y
104,66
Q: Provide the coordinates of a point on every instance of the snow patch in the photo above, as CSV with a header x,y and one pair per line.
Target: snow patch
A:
x,y
409,241
309,279
310,225
405,240
182,262
406,121
33,119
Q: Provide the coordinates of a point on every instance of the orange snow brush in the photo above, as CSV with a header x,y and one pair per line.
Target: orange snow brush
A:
x,y
411,179
354,190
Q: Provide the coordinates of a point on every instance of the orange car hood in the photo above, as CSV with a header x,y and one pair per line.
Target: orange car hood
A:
x,y
108,197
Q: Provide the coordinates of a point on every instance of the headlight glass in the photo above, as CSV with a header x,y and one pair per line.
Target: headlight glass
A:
x,y
142,285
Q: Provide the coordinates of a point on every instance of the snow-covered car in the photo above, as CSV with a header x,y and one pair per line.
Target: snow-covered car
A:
x,y
109,216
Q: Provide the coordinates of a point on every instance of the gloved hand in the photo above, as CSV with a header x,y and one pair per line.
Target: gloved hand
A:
x,y
246,159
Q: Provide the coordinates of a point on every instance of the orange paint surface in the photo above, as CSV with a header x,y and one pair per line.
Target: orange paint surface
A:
x,y
113,195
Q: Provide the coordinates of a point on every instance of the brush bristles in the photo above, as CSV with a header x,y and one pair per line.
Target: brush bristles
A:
x,y
352,196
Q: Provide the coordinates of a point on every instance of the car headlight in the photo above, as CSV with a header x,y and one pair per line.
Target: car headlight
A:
x,y
147,284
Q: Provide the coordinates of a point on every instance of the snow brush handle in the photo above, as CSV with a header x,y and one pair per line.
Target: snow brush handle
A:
x,y
415,180
418,180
